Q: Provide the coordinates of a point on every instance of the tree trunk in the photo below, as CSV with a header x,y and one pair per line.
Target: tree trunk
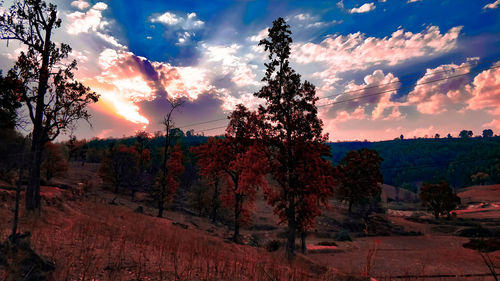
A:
x,y
350,208
303,245
215,203
237,212
16,210
290,245
160,203
33,188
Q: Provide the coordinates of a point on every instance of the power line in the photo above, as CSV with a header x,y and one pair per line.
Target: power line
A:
x,y
379,93
412,85
375,86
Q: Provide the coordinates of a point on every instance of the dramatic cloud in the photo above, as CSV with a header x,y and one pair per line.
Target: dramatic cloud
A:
x,y
486,93
89,21
127,79
493,5
355,51
365,8
377,91
441,88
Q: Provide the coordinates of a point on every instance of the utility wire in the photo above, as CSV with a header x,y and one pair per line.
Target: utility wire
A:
x,y
409,77
376,94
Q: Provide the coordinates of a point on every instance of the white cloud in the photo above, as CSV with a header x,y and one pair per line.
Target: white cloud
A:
x,y
355,51
412,1
438,92
493,5
80,4
259,36
177,22
92,20
365,8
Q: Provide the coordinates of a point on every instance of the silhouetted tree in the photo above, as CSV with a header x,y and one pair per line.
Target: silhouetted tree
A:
x,y
402,137
449,136
359,177
465,134
436,136
169,135
53,98
290,125
438,198
488,133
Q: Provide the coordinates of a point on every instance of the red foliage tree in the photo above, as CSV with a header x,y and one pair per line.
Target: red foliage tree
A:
x,y
238,157
167,185
292,133
211,169
438,198
359,177
120,167
53,163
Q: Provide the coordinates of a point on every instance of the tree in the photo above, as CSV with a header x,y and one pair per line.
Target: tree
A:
x,y
402,137
439,198
359,177
239,158
436,136
169,126
54,100
120,167
211,169
167,185
488,133
243,162
449,136
53,164
10,89
290,125
464,134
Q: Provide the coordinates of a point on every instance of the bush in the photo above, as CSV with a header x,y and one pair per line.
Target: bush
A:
x,y
483,245
327,243
478,231
273,245
343,236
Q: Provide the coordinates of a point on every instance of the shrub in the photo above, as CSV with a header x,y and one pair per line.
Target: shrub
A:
x,y
273,245
343,236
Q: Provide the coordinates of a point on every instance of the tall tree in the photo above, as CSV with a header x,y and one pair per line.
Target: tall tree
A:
x,y
358,176
169,130
53,98
243,162
290,122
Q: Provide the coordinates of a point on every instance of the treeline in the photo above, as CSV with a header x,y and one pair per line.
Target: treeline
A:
x,y
408,162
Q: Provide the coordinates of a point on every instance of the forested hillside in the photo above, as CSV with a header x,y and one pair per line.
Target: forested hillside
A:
x,y
460,161
457,160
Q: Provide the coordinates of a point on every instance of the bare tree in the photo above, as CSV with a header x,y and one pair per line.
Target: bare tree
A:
x,y
54,100
169,126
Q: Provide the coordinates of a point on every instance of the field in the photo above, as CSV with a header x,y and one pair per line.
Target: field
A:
x,y
98,236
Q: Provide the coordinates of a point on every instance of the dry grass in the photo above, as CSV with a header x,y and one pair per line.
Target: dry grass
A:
x,y
96,241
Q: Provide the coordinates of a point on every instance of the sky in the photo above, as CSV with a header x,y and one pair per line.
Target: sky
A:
x,y
424,66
